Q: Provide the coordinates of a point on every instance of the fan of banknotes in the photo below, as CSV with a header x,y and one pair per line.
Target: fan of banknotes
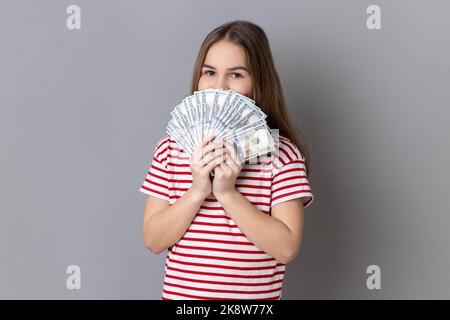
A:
x,y
226,114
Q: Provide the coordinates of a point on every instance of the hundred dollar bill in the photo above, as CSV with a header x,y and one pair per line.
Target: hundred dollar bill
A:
x,y
255,143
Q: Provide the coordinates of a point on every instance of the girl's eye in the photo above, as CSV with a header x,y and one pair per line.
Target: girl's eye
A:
x,y
207,72
237,75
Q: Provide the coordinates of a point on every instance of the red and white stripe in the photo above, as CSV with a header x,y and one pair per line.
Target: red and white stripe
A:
x,y
214,259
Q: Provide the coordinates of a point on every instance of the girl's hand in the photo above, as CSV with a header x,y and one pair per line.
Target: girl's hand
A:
x,y
207,155
226,173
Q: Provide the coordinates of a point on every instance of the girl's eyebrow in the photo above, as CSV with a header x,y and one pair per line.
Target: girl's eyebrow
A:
x,y
230,69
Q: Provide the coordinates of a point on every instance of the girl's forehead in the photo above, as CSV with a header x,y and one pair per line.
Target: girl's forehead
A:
x,y
225,54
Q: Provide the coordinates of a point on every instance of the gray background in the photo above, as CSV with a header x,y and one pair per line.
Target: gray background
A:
x,y
82,110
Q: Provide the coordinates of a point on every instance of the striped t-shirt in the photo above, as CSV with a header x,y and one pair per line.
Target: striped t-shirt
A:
x,y
214,259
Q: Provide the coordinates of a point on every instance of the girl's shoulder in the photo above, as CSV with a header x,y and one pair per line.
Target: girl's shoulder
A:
x,y
287,156
168,149
285,149
162,147
163,141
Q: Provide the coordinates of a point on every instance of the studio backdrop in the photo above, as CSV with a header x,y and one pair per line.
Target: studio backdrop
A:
x,y
86,91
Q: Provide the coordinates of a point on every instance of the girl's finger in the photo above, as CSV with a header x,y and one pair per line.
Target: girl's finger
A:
x,y
213,163
217,169
233,153
213,154
208,139
209,148
205,147
205,142
229,161
231,147
224,166
233,164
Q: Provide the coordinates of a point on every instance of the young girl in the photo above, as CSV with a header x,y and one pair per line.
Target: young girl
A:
x,y
229,236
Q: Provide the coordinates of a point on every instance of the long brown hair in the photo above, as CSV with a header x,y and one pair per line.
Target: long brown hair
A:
x,y
267,91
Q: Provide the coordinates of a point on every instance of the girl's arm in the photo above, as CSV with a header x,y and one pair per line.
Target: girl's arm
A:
x,y
164,225
278,235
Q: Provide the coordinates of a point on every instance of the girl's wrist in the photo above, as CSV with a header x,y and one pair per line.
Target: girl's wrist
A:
x,y
225,196
196,196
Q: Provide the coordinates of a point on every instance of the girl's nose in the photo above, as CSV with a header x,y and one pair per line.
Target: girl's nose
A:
x,y
221,84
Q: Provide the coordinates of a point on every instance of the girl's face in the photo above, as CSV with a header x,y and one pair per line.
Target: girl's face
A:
x,y
225,67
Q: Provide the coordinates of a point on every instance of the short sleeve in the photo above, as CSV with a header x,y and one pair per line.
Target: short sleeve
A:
x,y
289,179
156,182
